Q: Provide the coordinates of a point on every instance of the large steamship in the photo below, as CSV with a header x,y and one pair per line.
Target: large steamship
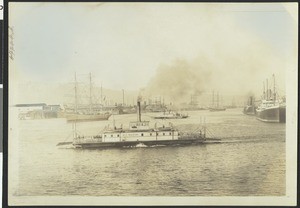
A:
x,y
271,108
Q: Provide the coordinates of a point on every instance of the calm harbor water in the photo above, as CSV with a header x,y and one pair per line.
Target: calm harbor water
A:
x,y
250,160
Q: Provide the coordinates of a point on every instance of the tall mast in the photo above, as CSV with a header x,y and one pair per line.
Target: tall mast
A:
x,y
274,92
139,110
74,130
267,90
76,99
204,128
123,97
90,92
217,99
101,94
76,106
264,95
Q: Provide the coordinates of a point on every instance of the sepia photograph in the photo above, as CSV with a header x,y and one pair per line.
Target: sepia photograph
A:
x,y
152,103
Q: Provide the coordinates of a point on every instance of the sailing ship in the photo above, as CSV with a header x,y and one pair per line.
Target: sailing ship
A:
x,y
250,108
140,134
215,105
271,108
83,112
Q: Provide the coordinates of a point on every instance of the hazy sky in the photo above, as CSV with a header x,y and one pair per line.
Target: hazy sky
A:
x,y
125,45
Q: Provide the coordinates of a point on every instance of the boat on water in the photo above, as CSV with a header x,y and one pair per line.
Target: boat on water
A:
x,y
140,134
215,105
250,108
89,112
171,115
272,108
270,111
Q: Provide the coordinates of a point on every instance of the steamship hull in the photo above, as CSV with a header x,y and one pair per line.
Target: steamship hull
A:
x,y
276,114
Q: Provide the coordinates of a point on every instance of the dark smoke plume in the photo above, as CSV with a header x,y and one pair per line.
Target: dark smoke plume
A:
x,y
179,80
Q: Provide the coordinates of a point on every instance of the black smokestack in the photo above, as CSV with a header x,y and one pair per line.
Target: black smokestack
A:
x,y
139,110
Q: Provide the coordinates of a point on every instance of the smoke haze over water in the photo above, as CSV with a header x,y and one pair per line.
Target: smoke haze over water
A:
x,y
230,59
179,80
231,74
